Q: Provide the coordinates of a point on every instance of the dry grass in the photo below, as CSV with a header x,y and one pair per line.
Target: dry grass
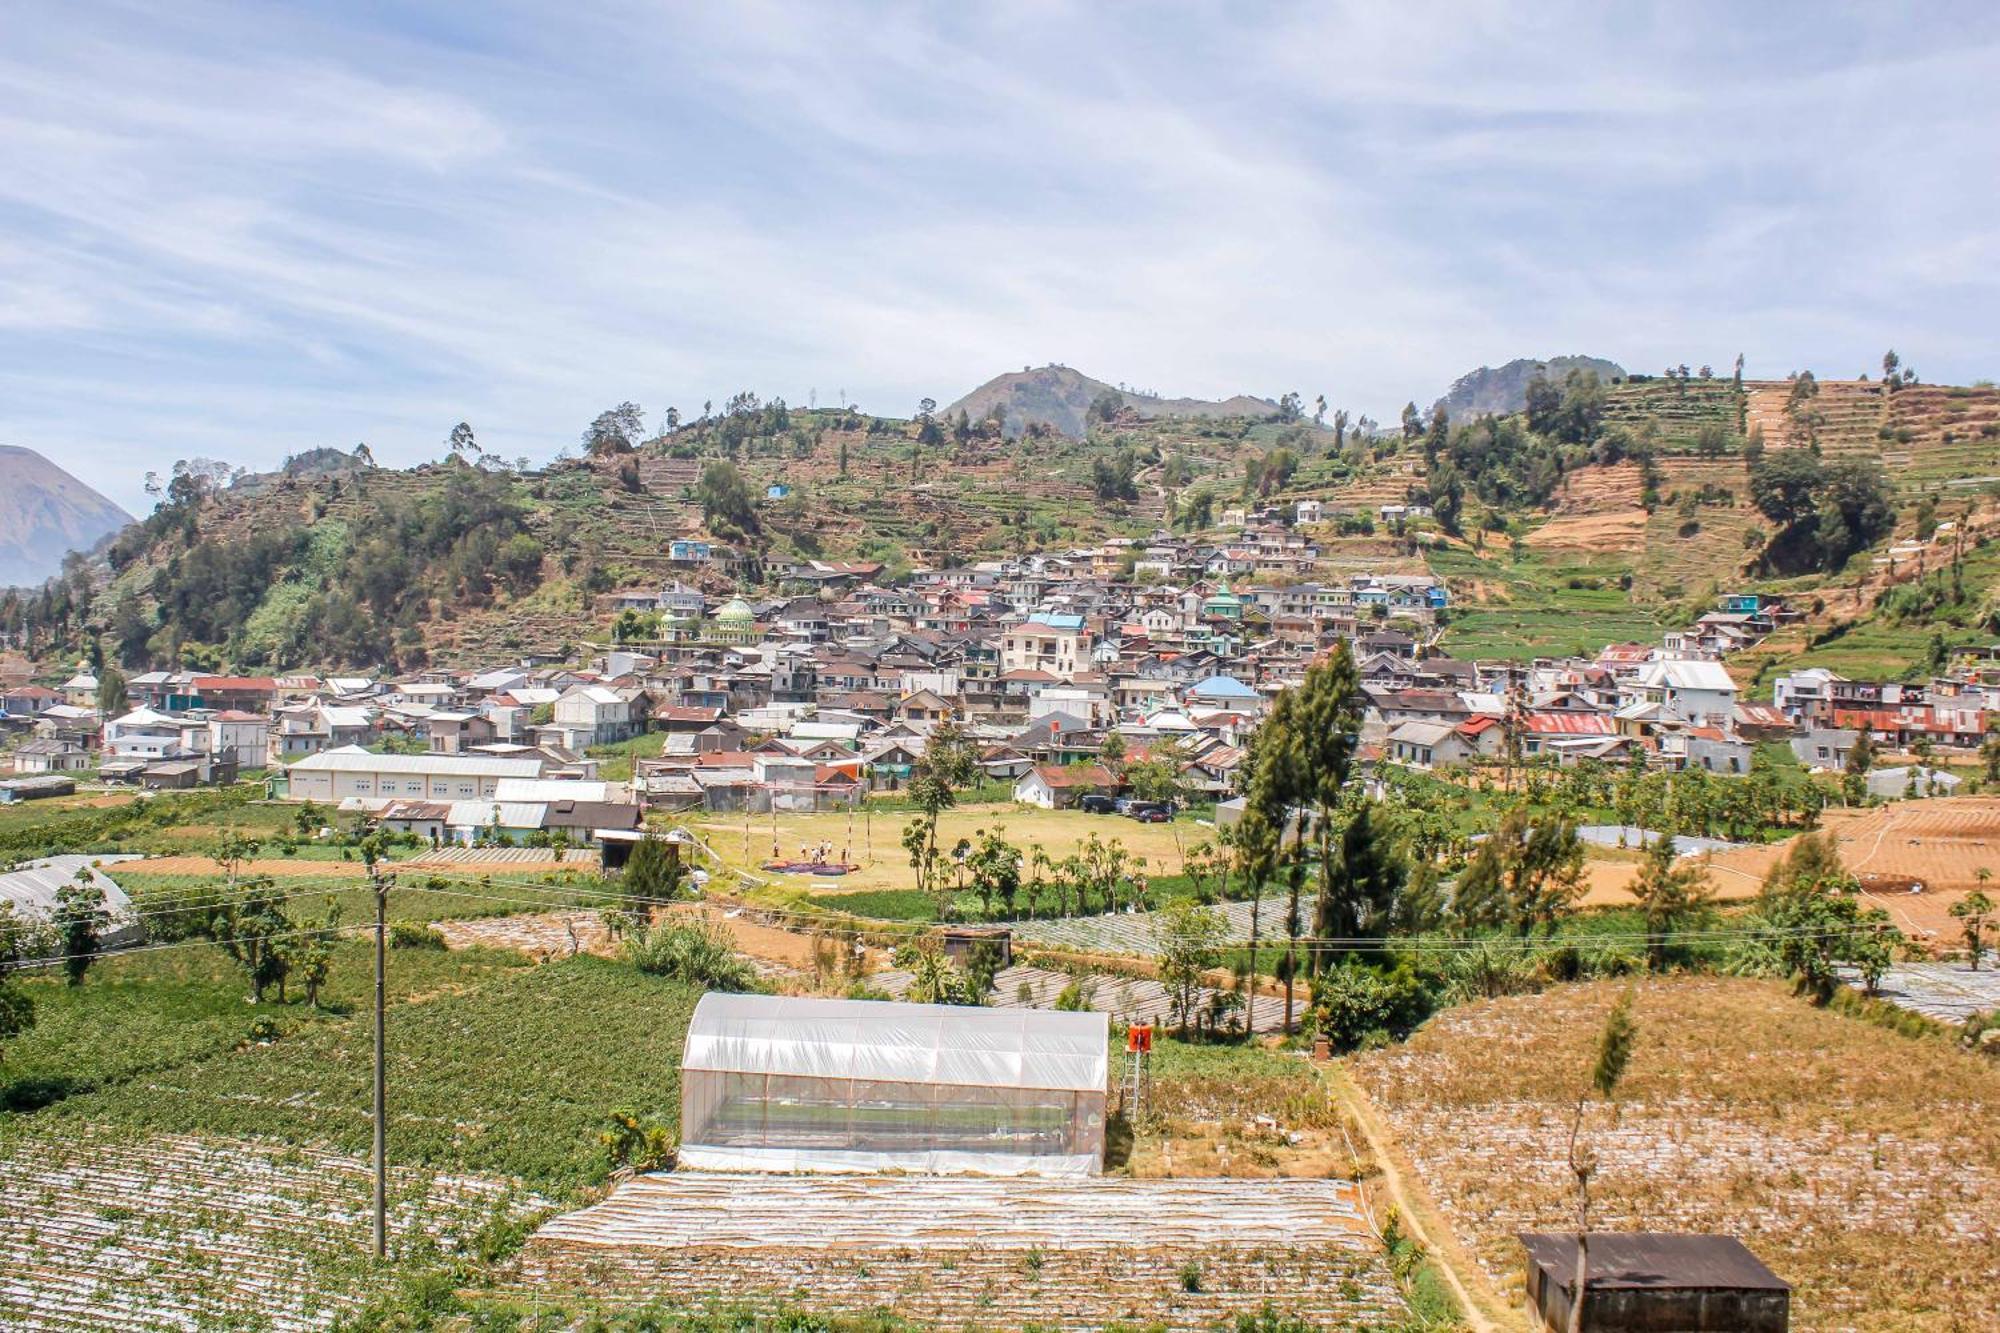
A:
x,y
1861,1165
874,841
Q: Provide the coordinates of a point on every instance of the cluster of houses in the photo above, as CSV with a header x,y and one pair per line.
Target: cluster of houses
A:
x,y
811,699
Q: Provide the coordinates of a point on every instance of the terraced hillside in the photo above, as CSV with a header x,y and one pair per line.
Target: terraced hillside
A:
x,y
1846,416
1675,408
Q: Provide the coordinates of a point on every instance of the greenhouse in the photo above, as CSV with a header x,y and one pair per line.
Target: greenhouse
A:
x,y
779,1083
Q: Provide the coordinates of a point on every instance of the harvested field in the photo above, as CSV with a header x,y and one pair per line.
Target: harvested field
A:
x,y
1860,1164
1002,1253
551,935
172,1232
1622,533
1939,843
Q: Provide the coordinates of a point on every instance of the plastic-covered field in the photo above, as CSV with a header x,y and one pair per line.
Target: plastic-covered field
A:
x,y
969,1252
183,1233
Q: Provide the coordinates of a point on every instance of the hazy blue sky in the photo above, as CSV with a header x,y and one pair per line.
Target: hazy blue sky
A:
x,y
243,232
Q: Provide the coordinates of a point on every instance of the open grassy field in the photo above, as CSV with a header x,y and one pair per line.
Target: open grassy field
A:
x,y
1859,1163
873,841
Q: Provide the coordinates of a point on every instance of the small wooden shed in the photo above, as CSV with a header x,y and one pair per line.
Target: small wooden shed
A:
x,y
1651,1282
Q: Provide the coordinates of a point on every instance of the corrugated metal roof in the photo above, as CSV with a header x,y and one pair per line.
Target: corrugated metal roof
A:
x,y
1655,1261
354,759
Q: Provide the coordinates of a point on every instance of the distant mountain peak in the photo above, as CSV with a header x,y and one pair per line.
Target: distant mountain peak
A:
x,y
1061,397
1502,390
45,513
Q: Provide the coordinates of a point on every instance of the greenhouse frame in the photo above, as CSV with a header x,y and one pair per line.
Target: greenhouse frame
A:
x,y
783,1083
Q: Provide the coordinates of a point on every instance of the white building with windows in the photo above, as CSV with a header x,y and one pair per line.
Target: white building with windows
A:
x,y
333,776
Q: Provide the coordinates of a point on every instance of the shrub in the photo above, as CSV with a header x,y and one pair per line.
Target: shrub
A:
x,y
698,952
414,935
1355,1004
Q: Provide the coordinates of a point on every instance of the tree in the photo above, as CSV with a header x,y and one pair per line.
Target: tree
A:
x,y
995,867
311,955
948,763
1810,912
232,849
1359,886
1607,1071
1673,893
17,943
1860,758
1190,939
1525,876
112,698
251,928
653,875
727,505
81,919
461,442
1413,423
616,430
1973,912
927,427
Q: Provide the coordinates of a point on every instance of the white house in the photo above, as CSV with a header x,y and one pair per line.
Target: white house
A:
x,y
244,737
593,715
1700,694
1047,642
333,776
1053,787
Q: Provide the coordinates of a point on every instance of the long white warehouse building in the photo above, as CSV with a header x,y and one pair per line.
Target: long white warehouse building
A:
x,y
333,776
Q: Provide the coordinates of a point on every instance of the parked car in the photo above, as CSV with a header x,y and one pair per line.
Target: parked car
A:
x,y
1147,813
1094,804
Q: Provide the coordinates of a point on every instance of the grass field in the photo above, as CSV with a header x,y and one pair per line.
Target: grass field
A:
x,y
1860,1164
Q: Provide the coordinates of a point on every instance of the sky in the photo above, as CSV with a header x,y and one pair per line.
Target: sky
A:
x,y
241,232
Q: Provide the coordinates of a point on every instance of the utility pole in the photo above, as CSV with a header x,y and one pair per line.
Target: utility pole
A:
x,y
381,883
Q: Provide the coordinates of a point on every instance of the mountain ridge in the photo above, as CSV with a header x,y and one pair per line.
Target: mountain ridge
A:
x,y
45,513
1502,390
1060,397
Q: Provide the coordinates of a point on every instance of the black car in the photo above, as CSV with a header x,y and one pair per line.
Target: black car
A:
x,y
1150,814
1094,804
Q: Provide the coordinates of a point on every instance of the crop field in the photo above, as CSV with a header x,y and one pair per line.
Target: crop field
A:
x,y
104,1231
1860,1164
1136,933
1505,633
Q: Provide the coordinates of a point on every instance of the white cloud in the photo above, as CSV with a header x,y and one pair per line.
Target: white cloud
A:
x,y
247,236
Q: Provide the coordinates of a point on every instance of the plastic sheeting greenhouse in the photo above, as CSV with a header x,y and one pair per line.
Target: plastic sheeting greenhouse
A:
x,y
777,1083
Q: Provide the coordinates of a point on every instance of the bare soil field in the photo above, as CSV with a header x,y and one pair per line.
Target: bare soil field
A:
x,y
978,1252
276,867
1860,1164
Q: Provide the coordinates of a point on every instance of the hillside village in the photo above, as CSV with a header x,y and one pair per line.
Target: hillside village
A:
x,y
1313,760
825,693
